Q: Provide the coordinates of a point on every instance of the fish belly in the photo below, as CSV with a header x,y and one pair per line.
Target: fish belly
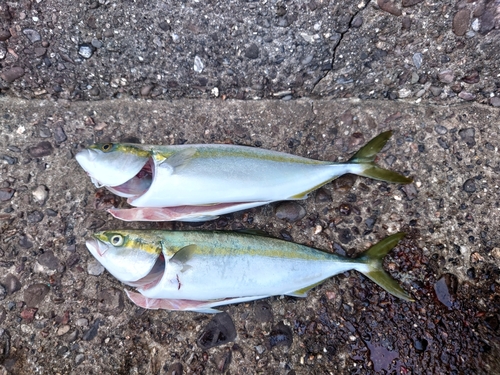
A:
x,y
210,181
207,278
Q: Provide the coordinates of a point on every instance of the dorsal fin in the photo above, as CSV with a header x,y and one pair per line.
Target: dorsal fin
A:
x,y
254,232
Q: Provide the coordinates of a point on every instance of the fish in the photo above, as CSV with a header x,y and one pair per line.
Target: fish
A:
x,y
199,182
200,270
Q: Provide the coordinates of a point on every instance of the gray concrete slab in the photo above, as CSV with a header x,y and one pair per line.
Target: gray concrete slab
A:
x,y
61,314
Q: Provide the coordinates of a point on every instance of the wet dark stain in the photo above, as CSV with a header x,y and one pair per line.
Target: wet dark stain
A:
x,y
263,312
219,331
281,335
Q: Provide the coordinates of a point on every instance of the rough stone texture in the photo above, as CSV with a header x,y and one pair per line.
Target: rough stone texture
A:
x,y
461,22
451,216
244,49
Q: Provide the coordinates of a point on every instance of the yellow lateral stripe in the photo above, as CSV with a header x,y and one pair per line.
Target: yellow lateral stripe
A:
x,y
213,152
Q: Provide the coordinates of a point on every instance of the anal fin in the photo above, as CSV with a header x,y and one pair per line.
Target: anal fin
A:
x,y
170,304
303,292
185,304
181,213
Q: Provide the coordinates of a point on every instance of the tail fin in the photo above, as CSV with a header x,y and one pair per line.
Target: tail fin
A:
x,y
373,259
366,156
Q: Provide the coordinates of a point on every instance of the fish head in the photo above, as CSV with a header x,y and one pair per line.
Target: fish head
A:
x,y
130,256
112,164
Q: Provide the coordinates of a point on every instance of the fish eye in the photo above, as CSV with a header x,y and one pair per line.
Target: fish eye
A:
x,y
117,240
106,147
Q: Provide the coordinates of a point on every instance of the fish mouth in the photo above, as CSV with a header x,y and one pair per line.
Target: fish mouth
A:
x,y
96,247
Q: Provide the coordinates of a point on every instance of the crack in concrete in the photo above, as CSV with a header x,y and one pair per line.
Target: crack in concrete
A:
x,y
365,5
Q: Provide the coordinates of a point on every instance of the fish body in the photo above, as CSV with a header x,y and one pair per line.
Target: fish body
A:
x,y
199,270
200,182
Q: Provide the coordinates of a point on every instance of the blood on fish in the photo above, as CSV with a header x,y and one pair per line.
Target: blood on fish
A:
x,y
180,284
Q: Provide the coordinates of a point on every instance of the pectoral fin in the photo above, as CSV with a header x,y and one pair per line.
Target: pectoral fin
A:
x,y
183,256
177,161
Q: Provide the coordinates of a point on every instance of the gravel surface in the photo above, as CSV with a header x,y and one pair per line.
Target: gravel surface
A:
x,y
443,52
329,76
62,314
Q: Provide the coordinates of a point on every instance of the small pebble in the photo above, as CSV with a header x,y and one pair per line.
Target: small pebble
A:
x,y
357,21
59,134
86,50
410,3
471,77
290,211
443,143
495,101
468,136
406,23
436,91
10,75
44,132
175,369
198,65
165,26
252,52
446,76
110,301
466,96
389,6
461,22
3,292
82,322
35,217
72,336
410,191
146,90
49,260
35,294
91,333
445,289
470,185
41,193
6,194
440,129
12,283
4,35
79,358
95,268
62,330
32,35
417,60
41,149
322,196
404,93
40,51
96,43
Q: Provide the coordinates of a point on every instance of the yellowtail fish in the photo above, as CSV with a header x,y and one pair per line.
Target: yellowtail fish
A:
x,y
200,270
201,182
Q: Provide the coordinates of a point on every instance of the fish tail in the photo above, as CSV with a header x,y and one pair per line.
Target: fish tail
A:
x,y
371,266
365,157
